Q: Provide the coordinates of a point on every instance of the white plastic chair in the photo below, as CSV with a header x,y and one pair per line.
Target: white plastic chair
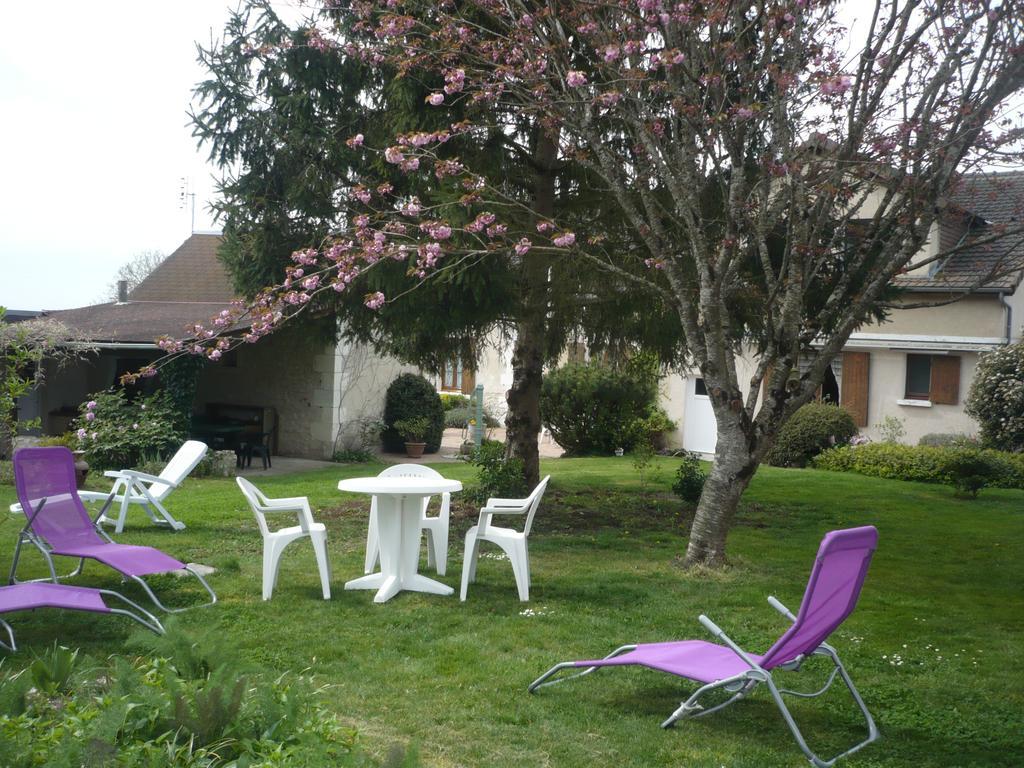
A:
x,y
436,527
149,491
274,542
513,542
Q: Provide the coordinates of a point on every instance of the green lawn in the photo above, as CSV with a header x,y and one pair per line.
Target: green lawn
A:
x,y
944,595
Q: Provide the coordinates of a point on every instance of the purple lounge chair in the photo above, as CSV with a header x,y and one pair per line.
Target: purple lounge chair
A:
x,y
831,595
58,523
28,597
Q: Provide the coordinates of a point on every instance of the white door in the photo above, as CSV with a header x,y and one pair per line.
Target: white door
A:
x,y
700,431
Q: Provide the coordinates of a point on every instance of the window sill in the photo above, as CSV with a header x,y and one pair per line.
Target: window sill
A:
x,y
915,403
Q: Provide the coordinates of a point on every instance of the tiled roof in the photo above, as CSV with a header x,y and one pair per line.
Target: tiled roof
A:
x,y
192,273
190,286
136,321
996,200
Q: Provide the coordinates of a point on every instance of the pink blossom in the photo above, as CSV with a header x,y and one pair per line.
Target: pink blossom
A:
x,y
523,247
743,113
81,433
544,226
565,239
435,99
440,231
90,416
374,300
836,86
394,155
575,79
412,207
362,194
355,141
611,53
91,404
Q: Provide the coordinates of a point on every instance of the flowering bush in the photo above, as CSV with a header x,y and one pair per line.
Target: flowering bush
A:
x,y
996,399
116,432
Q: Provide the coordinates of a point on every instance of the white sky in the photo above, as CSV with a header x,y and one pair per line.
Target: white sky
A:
x,y
94,140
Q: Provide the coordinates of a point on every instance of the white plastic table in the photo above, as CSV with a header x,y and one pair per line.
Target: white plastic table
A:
x,y
399,506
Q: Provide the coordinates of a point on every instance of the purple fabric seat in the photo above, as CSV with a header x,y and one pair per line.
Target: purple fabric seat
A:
x,y
30,596
695,659
831,595
27,597
58,523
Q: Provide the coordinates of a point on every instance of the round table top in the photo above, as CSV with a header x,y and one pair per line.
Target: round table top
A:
x,y
413,486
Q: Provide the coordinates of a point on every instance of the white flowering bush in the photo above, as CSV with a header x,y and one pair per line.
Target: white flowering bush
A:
x,y
116,432
996,399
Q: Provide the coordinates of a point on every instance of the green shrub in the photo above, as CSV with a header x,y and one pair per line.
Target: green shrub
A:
x,y
411,396
689,484
413,429
592,408
498,476
450,401
69,440
118,433
457,418
6,472
996,399
947,439
959,467
812,429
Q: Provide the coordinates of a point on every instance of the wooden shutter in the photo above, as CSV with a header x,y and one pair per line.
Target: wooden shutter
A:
x,y
945,379
854,394
468,381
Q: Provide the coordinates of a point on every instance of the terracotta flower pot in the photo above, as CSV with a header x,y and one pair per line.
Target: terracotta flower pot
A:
x,y
81,468
414,450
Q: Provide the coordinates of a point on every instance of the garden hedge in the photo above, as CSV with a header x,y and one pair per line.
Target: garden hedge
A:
x,y
811,430
408,397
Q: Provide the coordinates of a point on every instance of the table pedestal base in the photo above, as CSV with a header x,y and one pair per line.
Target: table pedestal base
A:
x,y
398,528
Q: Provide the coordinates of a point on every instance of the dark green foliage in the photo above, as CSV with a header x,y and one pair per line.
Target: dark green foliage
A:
x,y
52,669
593,409
498,476
126,434
996,399
179,379
411,396
689,483
926,464
812,429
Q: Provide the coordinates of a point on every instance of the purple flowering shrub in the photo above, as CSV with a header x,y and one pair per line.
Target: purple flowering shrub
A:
x,y
116,432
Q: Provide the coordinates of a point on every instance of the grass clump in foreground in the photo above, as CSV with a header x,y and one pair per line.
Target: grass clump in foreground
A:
x,y
939,623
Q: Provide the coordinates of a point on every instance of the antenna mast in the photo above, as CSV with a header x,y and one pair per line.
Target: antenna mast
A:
x,y
183,199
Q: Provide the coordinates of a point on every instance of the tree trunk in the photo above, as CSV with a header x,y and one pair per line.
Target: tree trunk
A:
x,y
731,473
523,418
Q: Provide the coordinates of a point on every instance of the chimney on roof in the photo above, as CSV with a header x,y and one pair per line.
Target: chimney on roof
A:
x,y
122,291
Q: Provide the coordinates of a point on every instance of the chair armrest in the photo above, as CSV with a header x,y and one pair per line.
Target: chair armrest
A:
x,y
131,474
503,510
278,505
778,606
507,502
718,634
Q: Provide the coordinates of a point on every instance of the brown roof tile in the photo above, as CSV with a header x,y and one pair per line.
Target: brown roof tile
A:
x,y
192,273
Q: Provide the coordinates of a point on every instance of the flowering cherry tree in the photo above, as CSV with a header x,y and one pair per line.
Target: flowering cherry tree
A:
x,y
773,165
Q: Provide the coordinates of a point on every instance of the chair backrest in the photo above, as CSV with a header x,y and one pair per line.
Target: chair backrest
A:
x,y
256,500
407,470
534,501
49,473
178,468
831,595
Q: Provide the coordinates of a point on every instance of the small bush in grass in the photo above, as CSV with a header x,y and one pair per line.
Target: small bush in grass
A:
x,y
812,429
689,484
409,397
996,399
498,476
969,470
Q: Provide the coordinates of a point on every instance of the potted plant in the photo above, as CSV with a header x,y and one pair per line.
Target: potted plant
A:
x,y
414,432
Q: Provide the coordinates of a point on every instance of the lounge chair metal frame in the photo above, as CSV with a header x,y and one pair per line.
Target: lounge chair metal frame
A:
x,y
144,617
740,684
27,535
